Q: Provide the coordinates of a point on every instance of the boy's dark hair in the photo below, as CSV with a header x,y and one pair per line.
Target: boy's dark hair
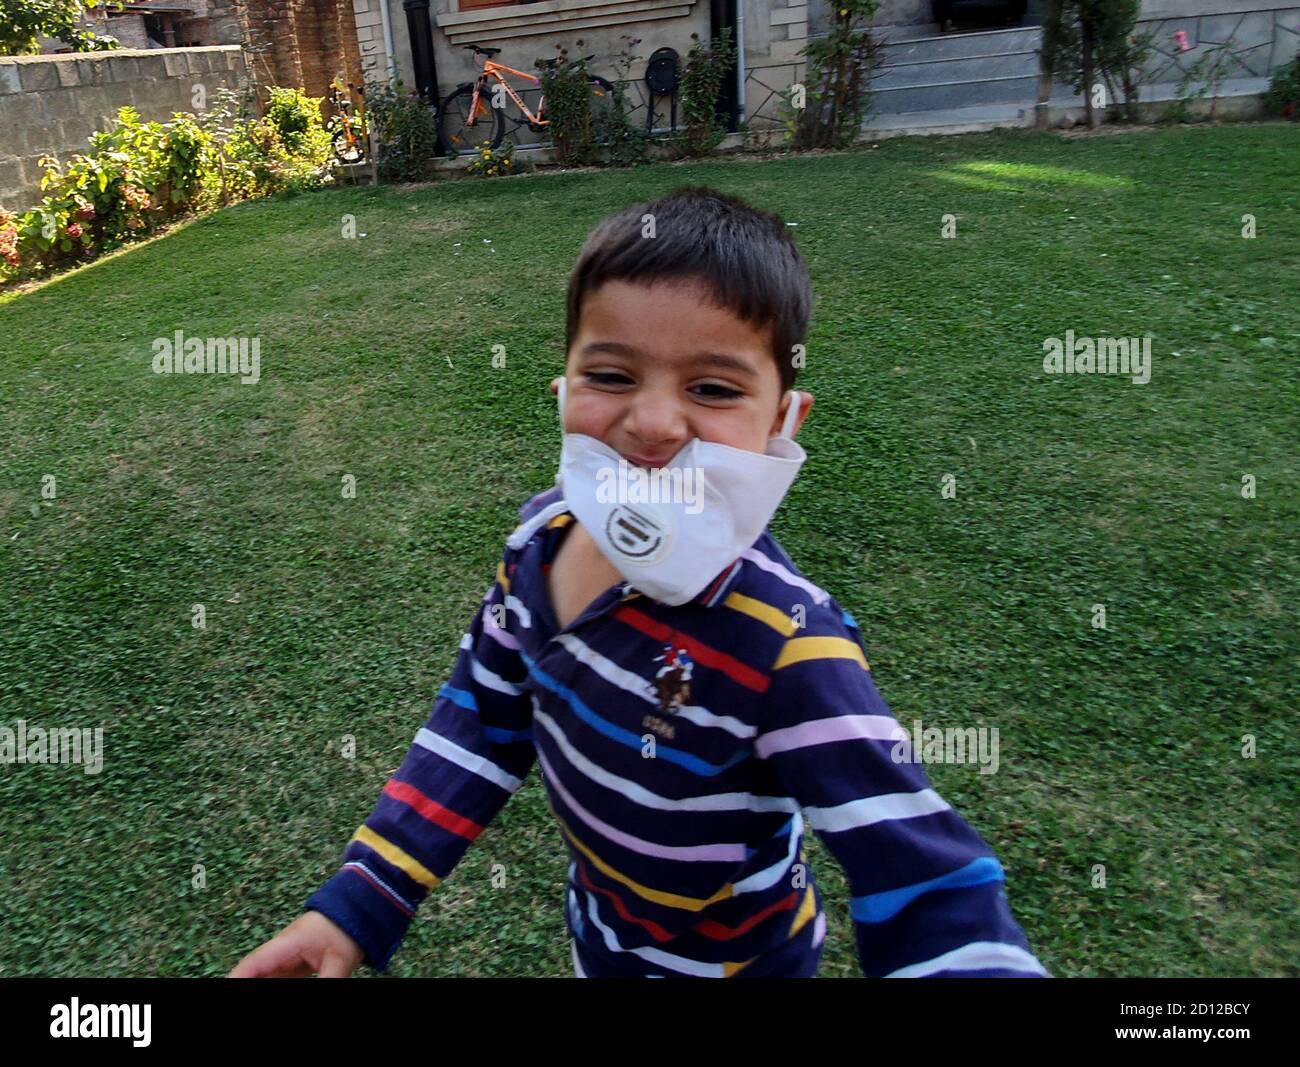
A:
x,y
745,257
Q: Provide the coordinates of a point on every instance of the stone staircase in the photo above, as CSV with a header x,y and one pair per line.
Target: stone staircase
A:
x,y
941,73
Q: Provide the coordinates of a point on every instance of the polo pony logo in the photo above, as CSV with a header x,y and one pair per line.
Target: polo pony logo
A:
x,y
673,679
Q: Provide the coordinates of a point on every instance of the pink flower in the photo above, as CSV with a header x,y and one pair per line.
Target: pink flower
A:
x,y
85,214
74,229
1181,37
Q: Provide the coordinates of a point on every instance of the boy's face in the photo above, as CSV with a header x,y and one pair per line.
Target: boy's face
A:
x,y
639,375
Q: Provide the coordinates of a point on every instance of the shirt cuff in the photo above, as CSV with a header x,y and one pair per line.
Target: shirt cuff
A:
x,y
373,920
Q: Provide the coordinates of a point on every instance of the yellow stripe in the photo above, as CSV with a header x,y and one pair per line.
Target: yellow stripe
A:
x,y
806,911
396,856
757,609
798,649
562,519
671,900
502,580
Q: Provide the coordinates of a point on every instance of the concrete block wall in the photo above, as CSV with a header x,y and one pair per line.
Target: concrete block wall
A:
x,y
50,105
370,39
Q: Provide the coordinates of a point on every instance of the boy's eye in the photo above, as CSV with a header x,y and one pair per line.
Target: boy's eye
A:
x,y
723,393
719,392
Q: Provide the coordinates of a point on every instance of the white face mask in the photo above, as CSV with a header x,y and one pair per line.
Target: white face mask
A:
x,y
672,530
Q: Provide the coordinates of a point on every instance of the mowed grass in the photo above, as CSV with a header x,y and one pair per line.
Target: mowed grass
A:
x,y
329,617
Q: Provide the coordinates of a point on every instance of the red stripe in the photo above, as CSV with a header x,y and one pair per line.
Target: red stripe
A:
x,y
719,932
656,931
381,890
432,810
704,654
717,584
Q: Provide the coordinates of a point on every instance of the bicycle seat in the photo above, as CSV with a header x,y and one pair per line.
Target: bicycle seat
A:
x,y
480,48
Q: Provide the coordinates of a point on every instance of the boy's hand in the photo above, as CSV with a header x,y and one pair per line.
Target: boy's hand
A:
x,y
311,944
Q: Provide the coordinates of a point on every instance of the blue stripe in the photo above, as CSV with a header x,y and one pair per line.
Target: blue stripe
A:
x,y
625,737
878,907
506,737
459,696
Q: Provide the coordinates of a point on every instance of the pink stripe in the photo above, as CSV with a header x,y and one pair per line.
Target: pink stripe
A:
x,y
826,731
502,636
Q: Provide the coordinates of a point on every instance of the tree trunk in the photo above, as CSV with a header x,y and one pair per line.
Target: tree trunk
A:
x,y
1087,48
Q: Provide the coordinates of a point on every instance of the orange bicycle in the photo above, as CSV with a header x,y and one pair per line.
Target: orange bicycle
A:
x,y
467,119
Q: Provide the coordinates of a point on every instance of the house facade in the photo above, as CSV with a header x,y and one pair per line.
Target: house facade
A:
x,y
773,31
991,69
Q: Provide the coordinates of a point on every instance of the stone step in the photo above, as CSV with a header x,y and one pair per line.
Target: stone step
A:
x,y
955,120
1010,90
956,71
928,49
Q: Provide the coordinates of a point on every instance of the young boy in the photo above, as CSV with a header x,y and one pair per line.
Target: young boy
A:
x,y
691,698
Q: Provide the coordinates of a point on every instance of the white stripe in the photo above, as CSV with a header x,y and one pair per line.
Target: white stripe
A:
x,y
839,728
463,757
769,876
633,683
819,929
492,680
869,810
513,603
785,574
358,863
977,956
525,530
638,794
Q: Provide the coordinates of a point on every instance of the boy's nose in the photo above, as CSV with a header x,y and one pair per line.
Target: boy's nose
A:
x,y
655,426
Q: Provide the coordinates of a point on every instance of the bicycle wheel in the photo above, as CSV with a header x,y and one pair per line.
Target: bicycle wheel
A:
x,y
458,133
345,152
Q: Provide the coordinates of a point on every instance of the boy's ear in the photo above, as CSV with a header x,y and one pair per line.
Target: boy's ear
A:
x,y
555,387
805,402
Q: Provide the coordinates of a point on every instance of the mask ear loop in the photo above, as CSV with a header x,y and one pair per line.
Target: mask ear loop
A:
x,y
560,398
791,413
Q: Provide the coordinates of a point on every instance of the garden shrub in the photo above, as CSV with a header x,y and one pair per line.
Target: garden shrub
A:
x,y
138,175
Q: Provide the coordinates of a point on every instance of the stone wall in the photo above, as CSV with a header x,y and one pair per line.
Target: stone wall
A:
x,y
50,105
1261,35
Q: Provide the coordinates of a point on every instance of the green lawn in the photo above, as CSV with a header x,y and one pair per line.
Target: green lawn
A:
x,y
328,616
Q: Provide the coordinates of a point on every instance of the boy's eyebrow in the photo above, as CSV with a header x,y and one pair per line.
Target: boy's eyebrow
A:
x,y
712,359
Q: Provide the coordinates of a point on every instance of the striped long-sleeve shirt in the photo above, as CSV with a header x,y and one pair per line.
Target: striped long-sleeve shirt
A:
x,y
682,749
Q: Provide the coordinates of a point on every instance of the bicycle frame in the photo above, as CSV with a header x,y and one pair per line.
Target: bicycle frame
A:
x,y
494,70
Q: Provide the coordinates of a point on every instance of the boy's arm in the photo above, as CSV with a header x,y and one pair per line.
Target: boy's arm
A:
x,y
465,763
927,892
